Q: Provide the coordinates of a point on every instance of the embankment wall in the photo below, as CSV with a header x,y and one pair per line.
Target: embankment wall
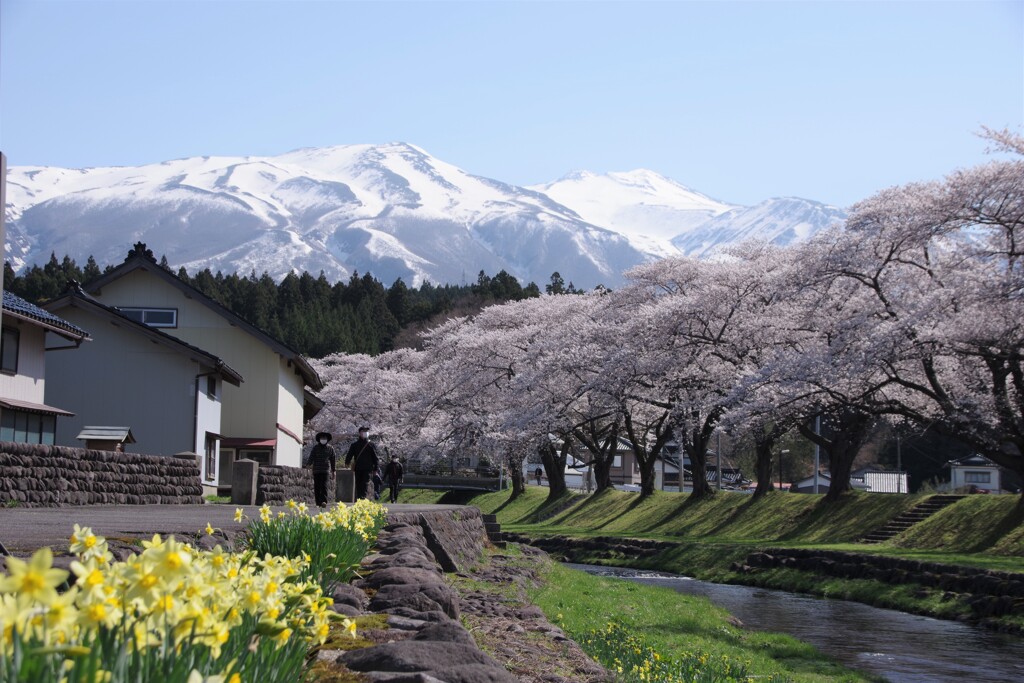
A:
x,y
36,475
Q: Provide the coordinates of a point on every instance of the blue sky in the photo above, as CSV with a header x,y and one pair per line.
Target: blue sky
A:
x,y
740,100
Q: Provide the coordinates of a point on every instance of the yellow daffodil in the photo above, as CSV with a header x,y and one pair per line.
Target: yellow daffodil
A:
x,y
35,579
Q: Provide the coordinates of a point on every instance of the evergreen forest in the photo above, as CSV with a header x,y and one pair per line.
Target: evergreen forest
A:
x,y
310,314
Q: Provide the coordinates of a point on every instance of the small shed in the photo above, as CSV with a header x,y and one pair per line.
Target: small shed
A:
x,y
974,473
106,438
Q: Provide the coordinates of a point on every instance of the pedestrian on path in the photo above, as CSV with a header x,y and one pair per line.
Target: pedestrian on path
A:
x,y
394,473
322,462
362,458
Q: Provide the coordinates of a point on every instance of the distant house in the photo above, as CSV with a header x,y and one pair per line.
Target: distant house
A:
x,y
877,479
974,473
261,419
166,393
25,416
824,481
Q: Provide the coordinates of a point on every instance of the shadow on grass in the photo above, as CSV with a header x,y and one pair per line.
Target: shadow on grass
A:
x,y
1006,525
732,517
632,505
686,502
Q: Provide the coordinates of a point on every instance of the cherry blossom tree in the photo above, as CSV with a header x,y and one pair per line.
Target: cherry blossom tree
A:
x,y
932,285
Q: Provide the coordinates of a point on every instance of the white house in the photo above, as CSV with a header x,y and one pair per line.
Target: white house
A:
x,y
974,472
262,418
28,334
167,393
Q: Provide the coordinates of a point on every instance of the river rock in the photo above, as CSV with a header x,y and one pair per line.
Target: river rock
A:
x,y
401,575
414,655
448,632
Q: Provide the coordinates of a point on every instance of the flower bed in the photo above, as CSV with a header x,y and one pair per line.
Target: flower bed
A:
x,y
176,614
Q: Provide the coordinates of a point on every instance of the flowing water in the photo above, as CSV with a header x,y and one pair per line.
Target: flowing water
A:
x,y
904,648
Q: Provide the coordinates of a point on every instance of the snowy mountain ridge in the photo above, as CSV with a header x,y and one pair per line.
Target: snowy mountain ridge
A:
x,y
390,209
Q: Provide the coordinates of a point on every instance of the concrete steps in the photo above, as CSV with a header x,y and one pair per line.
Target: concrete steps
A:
x,y
918,513
493,529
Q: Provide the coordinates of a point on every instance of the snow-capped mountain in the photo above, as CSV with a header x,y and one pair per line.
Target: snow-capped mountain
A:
x,y
391,209
648,208
781,221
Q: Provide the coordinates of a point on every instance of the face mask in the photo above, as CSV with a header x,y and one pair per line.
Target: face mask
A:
x,y
323,442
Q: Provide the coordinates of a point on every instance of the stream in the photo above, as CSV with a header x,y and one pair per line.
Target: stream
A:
x,y
905,648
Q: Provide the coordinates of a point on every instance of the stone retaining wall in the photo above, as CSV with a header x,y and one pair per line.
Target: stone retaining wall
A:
x,y
35,475
456,538
570,549
277,484
992,592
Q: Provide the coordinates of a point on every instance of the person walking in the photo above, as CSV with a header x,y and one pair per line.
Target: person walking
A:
x,y
394,473
321,461
362,457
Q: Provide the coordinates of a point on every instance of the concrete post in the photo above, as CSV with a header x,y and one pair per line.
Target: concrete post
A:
x,y
243,482
345,485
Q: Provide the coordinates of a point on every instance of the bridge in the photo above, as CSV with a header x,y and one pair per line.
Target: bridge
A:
x,y
452,483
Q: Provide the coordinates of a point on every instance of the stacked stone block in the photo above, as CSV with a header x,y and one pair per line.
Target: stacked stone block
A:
x,y
276,485
35,475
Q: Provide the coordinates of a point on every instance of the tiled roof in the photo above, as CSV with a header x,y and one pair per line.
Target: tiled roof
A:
x,y
15,304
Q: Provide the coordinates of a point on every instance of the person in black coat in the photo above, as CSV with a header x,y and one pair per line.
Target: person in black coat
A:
x,y
394,473
321,461
362,457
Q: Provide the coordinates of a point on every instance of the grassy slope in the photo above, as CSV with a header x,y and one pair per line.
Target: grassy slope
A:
x,y
979,530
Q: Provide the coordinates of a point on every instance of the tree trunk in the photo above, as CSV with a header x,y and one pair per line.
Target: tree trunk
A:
x,y
554,465
698,471
763,466
601,444
850,430
695,444
766,437
516,475
646,458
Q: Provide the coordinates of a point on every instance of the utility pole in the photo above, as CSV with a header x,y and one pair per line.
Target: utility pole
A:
x,y
718,459
899,467
817,451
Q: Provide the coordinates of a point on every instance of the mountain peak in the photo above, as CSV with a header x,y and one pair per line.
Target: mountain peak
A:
x,y
391,209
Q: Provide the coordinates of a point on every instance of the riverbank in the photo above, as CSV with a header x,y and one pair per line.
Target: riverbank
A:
x,y
713,539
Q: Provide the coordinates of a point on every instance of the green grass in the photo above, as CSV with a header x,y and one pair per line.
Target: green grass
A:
x,y
981,531
678,625
977,524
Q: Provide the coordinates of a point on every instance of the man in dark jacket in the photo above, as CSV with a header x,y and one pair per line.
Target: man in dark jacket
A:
x,y
362,457
394,473
321,461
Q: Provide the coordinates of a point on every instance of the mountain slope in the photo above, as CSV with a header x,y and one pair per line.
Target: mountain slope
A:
x,y
648,208
392,210
389,209
780,221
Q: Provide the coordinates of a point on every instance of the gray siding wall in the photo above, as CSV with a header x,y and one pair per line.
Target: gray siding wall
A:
x,y
121,378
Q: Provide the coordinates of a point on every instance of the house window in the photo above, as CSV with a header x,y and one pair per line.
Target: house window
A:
x,y
978,477
211,386
22,427
617,461
211,457
154,317
9,342
262,457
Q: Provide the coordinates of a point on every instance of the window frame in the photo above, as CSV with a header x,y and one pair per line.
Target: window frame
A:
x,y
8,333
144,310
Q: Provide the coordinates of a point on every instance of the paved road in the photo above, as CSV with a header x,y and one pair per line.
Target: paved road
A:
x,y
23,530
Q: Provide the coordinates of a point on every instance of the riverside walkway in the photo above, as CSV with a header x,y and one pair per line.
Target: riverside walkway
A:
x,y
24,530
